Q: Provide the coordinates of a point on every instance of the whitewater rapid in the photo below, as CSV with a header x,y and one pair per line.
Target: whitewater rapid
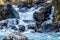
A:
x,y
25,18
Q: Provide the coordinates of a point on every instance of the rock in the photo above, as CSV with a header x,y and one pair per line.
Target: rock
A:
x,y
57,25
43,15
10,11
31,26
21,5
53,27
6,12
15,36
3,25
2,13
47,28
21,28
13,27
34,27
39,1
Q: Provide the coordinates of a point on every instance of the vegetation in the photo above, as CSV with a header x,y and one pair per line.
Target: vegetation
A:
x,y
56,3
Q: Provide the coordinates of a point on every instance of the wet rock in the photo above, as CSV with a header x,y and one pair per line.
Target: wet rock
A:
x,y
53,27
15,36
3,25
34,27
13,27
43,14
47,28
26,5
6,12
23,4
10,11
31,26
21,28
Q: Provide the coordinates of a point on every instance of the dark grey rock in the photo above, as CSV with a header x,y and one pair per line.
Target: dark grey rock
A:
x,y
43,15
21,28
53,27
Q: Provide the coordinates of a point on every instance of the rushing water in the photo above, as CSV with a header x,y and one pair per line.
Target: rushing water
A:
x,y
26,18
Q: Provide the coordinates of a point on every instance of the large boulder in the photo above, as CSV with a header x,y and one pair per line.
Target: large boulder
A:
x,y
7,12
11,11
3,12
44,13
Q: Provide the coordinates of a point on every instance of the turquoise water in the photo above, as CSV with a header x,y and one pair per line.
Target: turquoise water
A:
x,y
33,36
43,36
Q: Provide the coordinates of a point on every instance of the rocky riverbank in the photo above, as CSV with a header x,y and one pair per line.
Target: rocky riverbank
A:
x,y
39,16
27,21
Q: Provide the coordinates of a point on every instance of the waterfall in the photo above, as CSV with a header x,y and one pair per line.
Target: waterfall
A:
x,y
26,15
25,19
